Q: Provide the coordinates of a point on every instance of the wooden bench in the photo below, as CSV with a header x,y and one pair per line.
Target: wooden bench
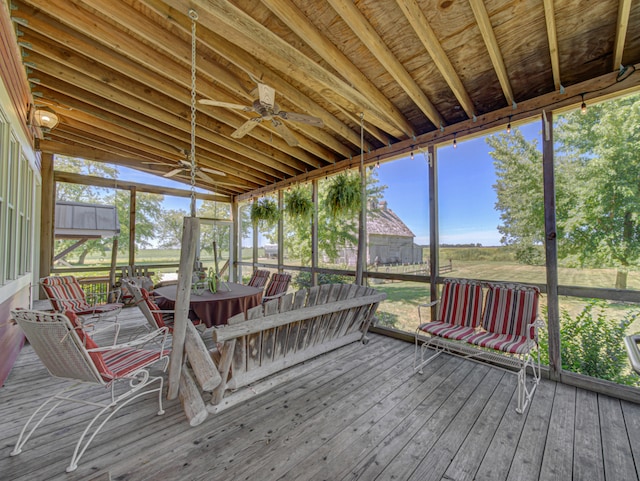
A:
x,y
254,354
506,323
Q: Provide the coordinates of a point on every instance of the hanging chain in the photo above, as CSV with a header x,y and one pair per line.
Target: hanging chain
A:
x,y
192,154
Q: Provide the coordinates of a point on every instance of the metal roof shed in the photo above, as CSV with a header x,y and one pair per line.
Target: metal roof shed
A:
x,y
78,220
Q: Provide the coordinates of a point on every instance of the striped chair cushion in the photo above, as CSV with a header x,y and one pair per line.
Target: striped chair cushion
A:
x,y
122,362
155,310
89,343
502,342
65,293
259,278
461,303
511,309
448,331
279,283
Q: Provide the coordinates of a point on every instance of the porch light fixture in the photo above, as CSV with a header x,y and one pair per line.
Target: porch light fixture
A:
x,y
509,125
455,142
583,107
45,118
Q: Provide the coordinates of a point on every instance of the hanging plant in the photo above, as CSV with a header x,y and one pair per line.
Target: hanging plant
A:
x,y
298,203
343,195
264,212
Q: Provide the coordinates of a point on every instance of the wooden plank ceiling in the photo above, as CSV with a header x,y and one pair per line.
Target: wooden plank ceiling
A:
x,y
118,74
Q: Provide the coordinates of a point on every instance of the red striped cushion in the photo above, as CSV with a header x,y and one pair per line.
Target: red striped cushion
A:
x,y
259,278
89,343
153,307
461,303
279,283
510,309
449,331
65,293
502,342
124,361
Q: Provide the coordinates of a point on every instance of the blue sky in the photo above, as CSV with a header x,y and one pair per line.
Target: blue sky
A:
x,y
465,176
465,179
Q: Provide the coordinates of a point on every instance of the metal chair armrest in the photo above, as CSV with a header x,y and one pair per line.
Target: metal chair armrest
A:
x,y
428,304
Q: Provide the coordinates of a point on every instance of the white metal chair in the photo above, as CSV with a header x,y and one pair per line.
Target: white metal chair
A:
x,y
66,294
68,352
156,317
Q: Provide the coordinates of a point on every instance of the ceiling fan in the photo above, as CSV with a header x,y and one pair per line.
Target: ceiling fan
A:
x,y
185,166
268,109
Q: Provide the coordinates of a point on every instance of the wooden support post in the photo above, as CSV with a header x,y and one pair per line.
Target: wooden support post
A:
x,y
191,400
48,200
362,227
434,228
132,226
314,234
190,235
280,231
551,247
112,272
203,366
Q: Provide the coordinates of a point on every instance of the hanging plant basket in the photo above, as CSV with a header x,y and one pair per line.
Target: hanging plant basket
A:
x,y
298,203
264,213
343,195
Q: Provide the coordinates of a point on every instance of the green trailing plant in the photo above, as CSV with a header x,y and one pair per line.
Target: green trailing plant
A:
x,y
298,203
265,213
343,195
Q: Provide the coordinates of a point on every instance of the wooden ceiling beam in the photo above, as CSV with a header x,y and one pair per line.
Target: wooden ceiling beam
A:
x,y
173,47
349,12
143,113
86,134
254,38
486,30
238,164
80,147
554,54
124,184
298,22
430,42
46,54
230,52
84,121
267,139
622,24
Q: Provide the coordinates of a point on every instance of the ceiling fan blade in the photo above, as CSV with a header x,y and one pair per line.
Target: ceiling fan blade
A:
x,y
228,105
213,171
284,131
267,95
302,118
245,128
204,176
173,172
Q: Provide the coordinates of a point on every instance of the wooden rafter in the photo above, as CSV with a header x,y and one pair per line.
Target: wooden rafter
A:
x,y
622,25
484,24
430,41
298,22
550,18
258,41
363,29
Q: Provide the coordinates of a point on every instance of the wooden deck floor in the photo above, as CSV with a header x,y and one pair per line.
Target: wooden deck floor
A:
x,y
360,413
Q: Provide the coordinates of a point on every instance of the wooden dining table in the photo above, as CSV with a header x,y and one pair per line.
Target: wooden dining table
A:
x,y
213,308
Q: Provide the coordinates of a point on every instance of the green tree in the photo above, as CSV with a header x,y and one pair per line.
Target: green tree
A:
x,y
170,229
597,178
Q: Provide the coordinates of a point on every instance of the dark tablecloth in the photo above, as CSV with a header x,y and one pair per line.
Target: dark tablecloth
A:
x,y
213,309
